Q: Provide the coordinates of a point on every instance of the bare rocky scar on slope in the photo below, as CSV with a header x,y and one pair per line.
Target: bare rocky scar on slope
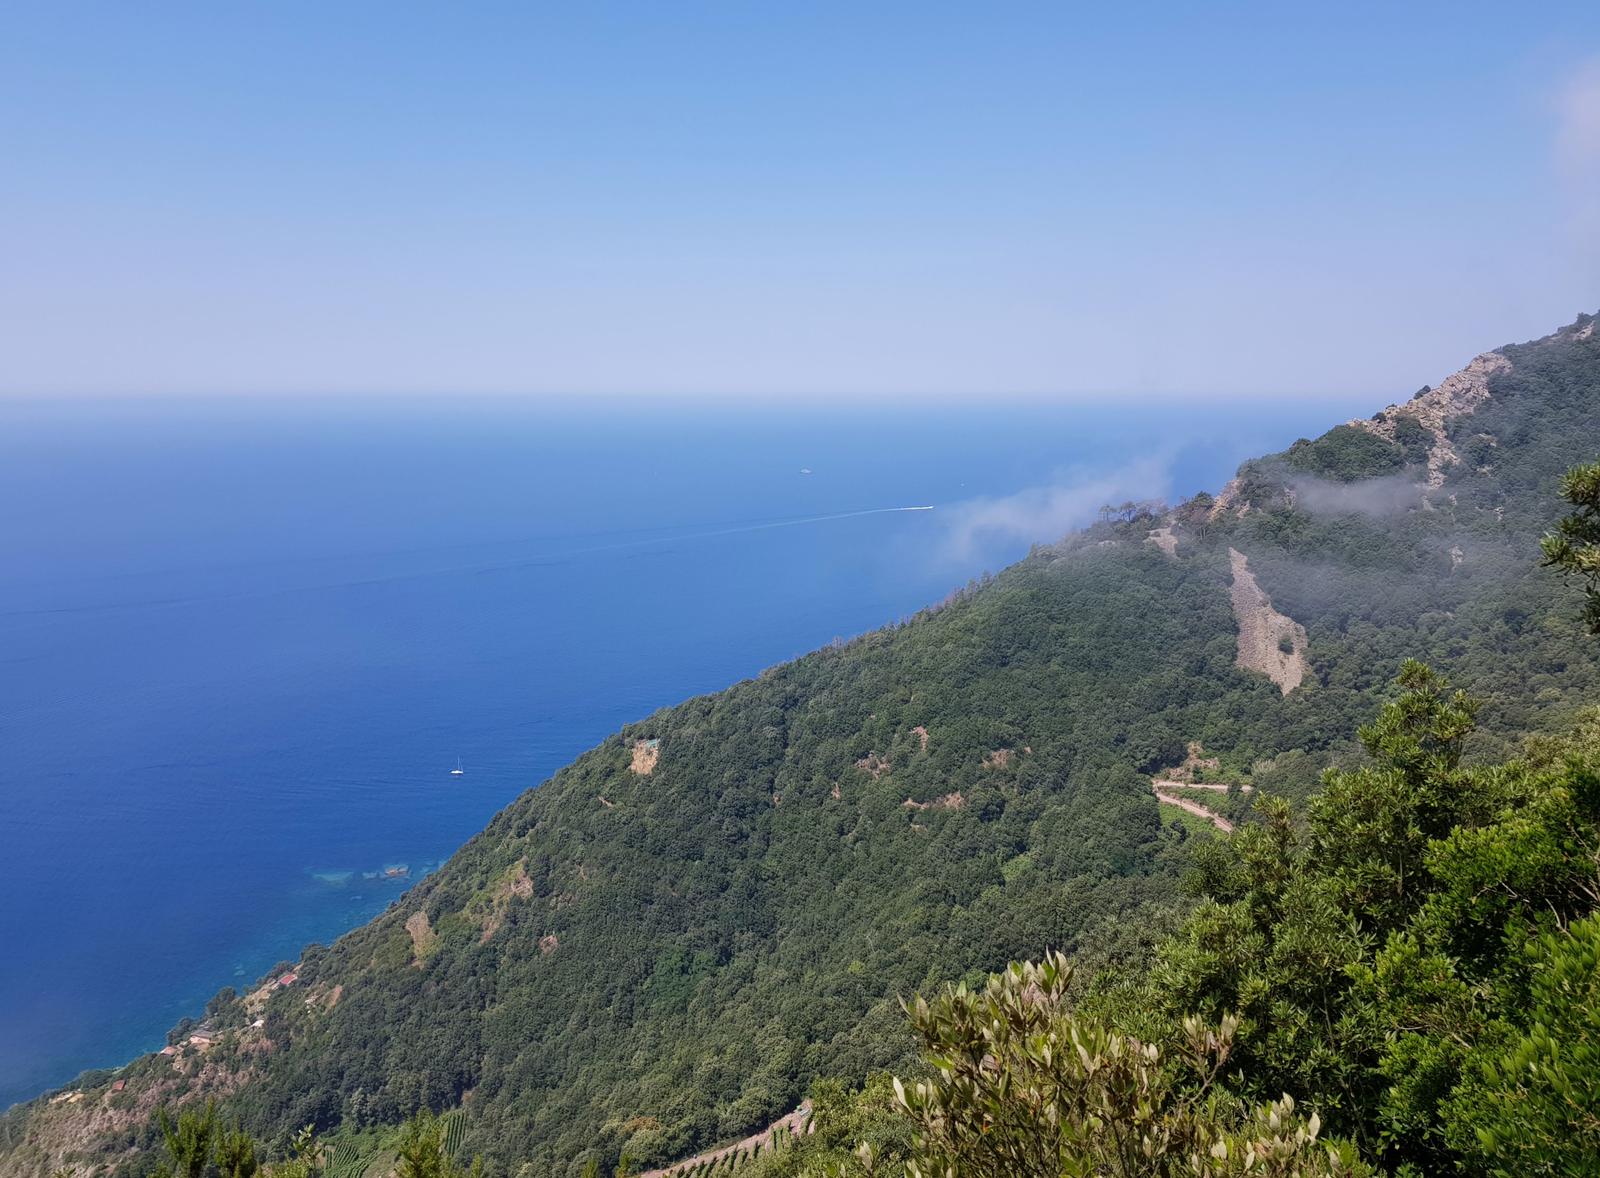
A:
x,y
1269,642
1457,395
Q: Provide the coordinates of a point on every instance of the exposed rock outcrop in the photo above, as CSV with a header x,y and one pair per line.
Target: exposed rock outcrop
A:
x,y
645,755
491,908
1195,766
874,765
951,801
424,941
1228,501
1455,396
1269,642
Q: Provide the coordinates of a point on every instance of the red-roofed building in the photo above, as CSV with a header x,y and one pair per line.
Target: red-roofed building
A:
x,y
288,979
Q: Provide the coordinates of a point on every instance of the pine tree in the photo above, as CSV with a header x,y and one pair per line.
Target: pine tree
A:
x,y
1574,547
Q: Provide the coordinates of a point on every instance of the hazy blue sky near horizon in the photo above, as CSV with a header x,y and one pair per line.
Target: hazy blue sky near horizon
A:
x,y
775,201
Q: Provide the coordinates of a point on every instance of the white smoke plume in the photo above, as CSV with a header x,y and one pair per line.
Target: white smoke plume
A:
x,y
978,526
1381,497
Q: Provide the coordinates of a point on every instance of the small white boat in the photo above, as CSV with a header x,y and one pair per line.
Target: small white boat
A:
x,y
458,770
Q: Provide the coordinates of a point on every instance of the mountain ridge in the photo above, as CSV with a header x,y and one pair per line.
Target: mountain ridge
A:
x,y
646,962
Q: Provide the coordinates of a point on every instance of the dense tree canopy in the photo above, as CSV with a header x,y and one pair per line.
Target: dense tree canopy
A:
x,y
667,944
1408,979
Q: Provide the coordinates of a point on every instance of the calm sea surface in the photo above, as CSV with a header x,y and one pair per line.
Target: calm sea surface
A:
x,y
242,647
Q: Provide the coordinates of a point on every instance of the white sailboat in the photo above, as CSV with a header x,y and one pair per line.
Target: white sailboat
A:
x,y
458,770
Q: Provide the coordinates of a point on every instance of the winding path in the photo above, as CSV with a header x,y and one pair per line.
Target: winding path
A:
x,y
1162,791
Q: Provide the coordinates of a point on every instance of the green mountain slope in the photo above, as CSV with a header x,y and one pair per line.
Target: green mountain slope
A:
x,y
664,944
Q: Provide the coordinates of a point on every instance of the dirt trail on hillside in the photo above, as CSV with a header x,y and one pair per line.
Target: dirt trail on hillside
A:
x,y
797,1122
1192,807
1263,631
1169,789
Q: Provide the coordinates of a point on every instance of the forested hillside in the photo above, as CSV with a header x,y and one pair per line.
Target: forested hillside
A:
x,y
666,944
1402,977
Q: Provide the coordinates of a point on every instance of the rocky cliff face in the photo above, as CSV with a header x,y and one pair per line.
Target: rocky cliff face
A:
x,y
1456,395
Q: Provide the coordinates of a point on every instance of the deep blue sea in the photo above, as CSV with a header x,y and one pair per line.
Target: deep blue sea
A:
x,y
242,645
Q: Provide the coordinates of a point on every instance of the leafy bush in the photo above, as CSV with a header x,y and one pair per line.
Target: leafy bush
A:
x,y
1346,453
1019,1087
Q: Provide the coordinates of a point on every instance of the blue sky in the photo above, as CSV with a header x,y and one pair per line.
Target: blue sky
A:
x,y
764,201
